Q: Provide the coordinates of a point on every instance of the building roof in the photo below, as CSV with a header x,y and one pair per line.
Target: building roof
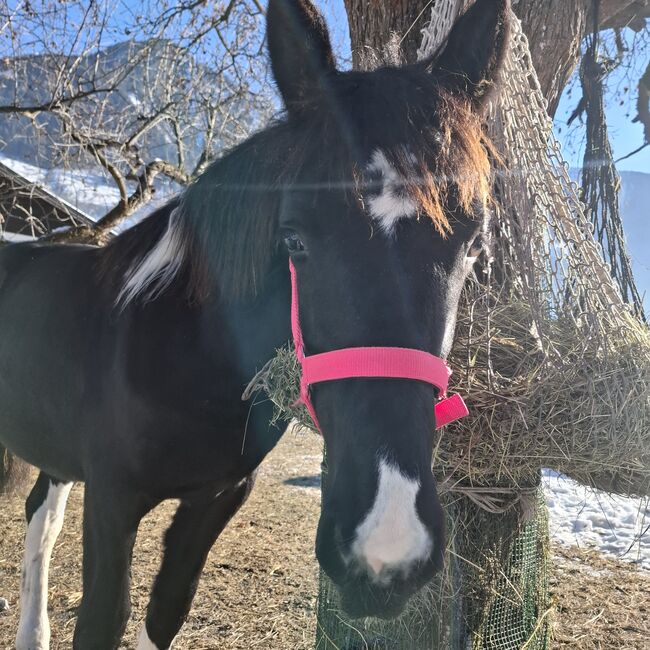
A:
x,y
27,208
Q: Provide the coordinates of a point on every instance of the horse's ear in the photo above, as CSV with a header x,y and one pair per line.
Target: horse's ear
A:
x,y
471,59
301,52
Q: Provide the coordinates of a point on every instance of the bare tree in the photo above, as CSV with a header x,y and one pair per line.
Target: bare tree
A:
x,y
144,92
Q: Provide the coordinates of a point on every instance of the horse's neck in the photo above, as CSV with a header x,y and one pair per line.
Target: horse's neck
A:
x,y
216,333
262,324
254,326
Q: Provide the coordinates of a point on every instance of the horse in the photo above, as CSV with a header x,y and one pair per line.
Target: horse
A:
x,y
123,366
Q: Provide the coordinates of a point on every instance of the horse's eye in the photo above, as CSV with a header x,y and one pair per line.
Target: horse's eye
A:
x,y
293,243
476,247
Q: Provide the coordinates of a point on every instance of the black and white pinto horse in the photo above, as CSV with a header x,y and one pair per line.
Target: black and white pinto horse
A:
x,y
123,367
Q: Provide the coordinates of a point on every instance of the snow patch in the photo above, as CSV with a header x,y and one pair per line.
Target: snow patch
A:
x,y
580,516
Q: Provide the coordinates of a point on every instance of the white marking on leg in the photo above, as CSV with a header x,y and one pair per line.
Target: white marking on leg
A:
x,y
145,643
156,270
392,536
391,203
42,532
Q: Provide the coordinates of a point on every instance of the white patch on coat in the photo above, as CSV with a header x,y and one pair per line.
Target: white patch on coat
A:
x,y
156,270
42,532
392,536
390,203
145,643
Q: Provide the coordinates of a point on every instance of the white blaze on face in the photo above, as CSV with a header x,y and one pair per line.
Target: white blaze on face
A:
x,y
42,532
392,536
389,201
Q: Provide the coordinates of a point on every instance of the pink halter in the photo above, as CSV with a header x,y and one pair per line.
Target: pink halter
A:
x,y
398,363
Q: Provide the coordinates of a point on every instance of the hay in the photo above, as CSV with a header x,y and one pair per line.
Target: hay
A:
x,y
555,398
583,410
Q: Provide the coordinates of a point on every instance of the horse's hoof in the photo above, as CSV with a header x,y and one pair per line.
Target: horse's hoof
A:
x,y
4,605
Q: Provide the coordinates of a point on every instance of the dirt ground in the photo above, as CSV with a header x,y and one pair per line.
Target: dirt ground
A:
x,y
259,586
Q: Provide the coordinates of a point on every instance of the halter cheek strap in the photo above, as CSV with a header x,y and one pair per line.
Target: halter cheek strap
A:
x,y
396,363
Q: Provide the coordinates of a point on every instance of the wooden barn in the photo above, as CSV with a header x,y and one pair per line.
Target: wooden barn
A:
x,y
28,210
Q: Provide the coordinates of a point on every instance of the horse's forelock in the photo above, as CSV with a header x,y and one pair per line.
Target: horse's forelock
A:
x,y
445,157
455,159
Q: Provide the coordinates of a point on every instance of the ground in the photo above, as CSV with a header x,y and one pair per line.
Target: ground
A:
x,y
601,603
259,586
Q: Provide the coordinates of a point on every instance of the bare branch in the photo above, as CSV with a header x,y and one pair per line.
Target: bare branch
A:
x,y
625,13
144,115
54,104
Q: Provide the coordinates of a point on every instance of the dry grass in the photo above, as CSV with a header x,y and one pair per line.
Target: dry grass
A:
x,y
601,604
260,582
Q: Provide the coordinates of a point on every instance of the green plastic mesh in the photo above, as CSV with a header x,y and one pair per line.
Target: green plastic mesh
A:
x,y
493,593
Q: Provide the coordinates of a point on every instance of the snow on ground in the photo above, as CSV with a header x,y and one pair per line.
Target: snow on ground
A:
x,y
588,518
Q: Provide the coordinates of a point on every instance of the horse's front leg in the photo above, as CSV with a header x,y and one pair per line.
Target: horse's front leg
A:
x,y
195,528
44,509
111,517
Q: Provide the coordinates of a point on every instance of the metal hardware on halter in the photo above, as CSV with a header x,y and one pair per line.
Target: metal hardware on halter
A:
x,y
397,363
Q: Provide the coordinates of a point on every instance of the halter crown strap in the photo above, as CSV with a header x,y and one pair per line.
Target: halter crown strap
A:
x,y
389,362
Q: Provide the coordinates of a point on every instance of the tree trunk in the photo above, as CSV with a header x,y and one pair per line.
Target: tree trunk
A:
x,y
372,23
554,29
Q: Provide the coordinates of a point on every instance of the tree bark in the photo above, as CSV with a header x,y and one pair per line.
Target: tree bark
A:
x,y
555,29
372,23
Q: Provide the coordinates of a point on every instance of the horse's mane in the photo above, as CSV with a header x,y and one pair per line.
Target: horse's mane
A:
x,y
221,227
222,231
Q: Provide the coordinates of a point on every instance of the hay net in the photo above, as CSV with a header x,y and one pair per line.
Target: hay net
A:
x,y
555,364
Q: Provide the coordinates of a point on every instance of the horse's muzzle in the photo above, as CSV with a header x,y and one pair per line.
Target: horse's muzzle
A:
x,y
361,597
363,593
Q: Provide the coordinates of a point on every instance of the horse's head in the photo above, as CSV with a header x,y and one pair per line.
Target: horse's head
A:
x,y
383,216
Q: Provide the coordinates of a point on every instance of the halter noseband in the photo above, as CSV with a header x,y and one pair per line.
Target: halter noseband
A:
x,y
396,363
